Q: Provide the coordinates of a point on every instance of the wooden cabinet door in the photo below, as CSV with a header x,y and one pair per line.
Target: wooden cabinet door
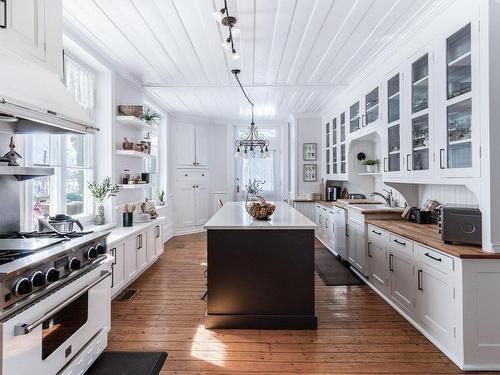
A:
x,y
436,304
118,267
402,280
24,31
202,199
159,240
141,246
185,205
130,255
151,244
185,145
378,265
201,145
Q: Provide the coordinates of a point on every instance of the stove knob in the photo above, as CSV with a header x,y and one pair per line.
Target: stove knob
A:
x,y
22,287
101,250
91,253
37,279
74,264
52,275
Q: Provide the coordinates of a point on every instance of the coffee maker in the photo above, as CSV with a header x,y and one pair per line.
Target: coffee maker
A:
x,y
332,193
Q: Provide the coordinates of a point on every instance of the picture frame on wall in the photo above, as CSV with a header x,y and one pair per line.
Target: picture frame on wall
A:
x,y
310,172
310,151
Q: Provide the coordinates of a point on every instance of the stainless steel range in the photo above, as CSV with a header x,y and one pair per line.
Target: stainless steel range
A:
x,y
55,301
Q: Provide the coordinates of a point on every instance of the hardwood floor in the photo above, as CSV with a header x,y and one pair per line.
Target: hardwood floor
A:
x,y
358,332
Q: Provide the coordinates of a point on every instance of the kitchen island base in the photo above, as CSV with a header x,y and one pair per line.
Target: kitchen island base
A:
x,y
261,279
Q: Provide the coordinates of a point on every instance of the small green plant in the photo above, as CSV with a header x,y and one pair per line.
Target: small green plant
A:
x,y
370,162
103,190
149,115
160,194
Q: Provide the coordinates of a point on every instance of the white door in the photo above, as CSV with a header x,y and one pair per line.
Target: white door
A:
x,y
402,279
185,205
142,255
201,145
435,303
378,266
185,144
202,199
130,255
118,267
24,31
151,244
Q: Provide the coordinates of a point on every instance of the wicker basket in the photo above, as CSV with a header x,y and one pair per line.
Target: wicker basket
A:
x,y
130,110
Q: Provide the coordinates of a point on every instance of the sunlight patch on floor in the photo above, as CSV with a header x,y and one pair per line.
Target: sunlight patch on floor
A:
x,y
207,347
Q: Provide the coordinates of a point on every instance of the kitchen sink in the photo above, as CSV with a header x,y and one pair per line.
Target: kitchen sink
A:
x,y
373,207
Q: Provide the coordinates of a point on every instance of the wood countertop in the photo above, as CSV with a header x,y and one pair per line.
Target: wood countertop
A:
x,y
428,235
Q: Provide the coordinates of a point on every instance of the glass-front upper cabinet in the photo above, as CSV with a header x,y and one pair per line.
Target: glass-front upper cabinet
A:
x,y
420,84
459,104
334,146
420,142
342,127
355,117
343,168
392,163
372,106
327,148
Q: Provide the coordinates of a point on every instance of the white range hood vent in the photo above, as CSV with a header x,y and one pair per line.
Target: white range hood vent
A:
x,y
39,99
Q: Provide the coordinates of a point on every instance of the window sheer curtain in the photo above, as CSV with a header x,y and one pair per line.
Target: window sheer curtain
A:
x,y
80,82
260,169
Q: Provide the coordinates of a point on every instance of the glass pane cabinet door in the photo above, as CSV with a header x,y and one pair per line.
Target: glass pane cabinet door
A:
x,y
420,142
420,84
460,135
458,58
327,148
394,148
334,160
334,131
342,159
354,116
371,106
342,127
393,99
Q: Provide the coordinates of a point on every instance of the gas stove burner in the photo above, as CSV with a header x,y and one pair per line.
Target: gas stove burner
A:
x,y
67,235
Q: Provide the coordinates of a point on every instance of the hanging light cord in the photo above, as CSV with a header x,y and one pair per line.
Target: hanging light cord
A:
x,y
236,72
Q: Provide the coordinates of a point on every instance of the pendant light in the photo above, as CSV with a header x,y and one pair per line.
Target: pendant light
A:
x,y
222,16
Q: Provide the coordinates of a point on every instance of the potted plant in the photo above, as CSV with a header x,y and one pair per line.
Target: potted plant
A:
x,y
371,166
150,116
102,191
160,194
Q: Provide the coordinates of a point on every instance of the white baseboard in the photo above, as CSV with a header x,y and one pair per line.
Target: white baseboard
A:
x,y
182,232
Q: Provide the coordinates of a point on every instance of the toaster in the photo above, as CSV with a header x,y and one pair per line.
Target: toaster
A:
x,y
460,224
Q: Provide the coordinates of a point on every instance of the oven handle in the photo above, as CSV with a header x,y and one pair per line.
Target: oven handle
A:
x,y
24,329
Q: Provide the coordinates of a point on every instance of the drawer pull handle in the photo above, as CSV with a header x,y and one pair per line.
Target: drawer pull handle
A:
x,y
377,233
399,242
419,280
390,262
369,250
430,256
4,22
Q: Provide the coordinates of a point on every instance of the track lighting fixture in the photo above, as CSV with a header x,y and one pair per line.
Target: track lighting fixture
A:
x,y
222,16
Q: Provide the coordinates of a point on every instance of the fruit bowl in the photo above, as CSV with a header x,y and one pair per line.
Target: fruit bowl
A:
x,y
260,210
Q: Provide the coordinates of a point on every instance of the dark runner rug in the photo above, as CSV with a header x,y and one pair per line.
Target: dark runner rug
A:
x,y
332,270
128,363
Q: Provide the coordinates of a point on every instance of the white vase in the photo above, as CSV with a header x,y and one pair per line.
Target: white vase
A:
x,y
371,168
99,218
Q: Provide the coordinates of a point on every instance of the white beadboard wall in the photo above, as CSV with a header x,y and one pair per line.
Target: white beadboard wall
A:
x,y
453,194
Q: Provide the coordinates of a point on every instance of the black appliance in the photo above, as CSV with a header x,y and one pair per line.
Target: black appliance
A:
x,y
420,217
332,193
460,224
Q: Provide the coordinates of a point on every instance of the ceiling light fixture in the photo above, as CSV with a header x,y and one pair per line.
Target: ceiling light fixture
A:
x,y
222,16
252,144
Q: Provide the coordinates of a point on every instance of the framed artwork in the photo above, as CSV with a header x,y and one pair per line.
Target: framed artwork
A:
x,y
310,151
310,173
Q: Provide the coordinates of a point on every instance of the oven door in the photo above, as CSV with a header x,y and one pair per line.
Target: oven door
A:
x,y
47,334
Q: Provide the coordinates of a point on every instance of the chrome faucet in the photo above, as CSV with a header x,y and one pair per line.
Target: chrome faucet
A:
x,y
387,198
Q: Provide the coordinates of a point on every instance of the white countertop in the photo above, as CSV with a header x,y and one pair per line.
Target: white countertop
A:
x,y
119,233
233,215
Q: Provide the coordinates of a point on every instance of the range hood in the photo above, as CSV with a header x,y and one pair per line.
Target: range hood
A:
x,y
25,173
38,99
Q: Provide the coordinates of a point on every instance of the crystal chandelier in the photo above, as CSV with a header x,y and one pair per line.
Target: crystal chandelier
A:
x,y
251,144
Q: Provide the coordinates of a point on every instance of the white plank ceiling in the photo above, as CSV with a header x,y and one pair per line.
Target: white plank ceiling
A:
x,y
295,54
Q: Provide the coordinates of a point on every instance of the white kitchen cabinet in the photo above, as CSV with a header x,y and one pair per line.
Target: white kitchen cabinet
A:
x,y
319,221
142,250
192,204
357,246
393,148
372,107
202,202
130,254
339,231
402,273
118,267
308,209
192,145
159,246
378,265
151,244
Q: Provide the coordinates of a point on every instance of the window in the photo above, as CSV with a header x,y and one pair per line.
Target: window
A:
x,y
69,154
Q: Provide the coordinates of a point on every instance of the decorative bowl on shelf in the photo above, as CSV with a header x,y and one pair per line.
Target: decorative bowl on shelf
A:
x,y
260,210
130,110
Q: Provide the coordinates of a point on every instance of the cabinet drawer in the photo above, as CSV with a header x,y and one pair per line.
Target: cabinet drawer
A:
x,y
356,217
402,243
377,235
434,258
191,175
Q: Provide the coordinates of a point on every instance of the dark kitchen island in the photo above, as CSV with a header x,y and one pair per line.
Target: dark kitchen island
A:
x,y
260,273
